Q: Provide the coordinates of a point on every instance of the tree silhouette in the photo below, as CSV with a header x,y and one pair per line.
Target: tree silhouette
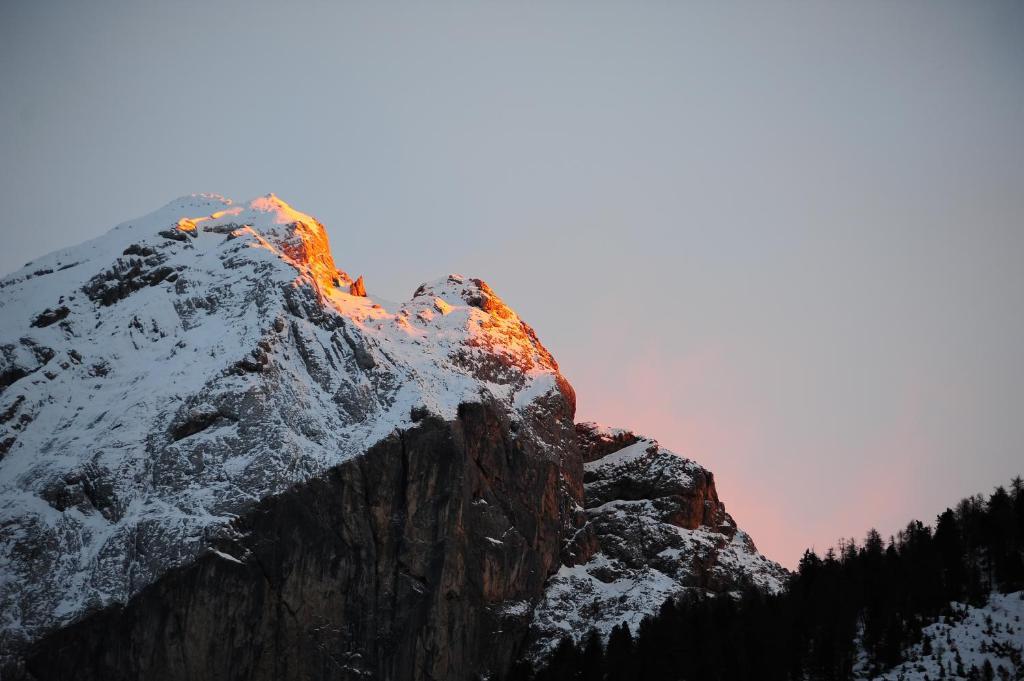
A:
x,y
878,593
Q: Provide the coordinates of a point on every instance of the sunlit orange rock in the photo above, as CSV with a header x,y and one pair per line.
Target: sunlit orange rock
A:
x,y
358,288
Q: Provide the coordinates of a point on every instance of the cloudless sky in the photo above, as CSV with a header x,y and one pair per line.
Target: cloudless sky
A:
x,y
786,239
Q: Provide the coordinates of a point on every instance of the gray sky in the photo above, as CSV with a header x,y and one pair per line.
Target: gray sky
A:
x,y
786,239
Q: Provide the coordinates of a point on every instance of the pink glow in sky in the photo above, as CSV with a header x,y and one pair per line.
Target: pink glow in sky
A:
x,y
697,406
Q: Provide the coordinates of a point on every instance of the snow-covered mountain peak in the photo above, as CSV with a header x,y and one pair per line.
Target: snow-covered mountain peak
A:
x,y
157,380
492,328
300,238
200,223
260,213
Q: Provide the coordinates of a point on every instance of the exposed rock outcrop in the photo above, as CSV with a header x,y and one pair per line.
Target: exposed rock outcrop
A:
x,y
655,528
358,287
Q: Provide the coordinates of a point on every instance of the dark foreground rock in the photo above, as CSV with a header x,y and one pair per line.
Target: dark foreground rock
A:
x,y
395,565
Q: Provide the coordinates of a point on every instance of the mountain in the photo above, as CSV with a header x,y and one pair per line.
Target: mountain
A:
x,y
221,458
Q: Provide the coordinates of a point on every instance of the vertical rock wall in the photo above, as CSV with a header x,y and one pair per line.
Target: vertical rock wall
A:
x,y
419,560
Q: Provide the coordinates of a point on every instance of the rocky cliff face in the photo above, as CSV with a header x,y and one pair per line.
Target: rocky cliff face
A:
x,y
404,563
230,461
654,529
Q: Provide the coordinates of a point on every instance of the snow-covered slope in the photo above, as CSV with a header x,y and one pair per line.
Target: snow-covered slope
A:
x,y
655,529
158,380
966,638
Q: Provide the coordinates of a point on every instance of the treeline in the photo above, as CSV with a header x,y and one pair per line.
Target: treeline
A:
x,y
872,597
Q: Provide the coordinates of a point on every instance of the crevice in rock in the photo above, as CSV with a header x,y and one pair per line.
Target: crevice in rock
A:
x,y
48,316
197,423
363,358
9,413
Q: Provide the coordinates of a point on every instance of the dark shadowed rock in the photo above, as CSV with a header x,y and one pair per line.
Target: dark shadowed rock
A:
x,y
401,564
48,316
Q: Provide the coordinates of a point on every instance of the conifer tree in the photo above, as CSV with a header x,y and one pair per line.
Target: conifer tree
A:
x,y
619,654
